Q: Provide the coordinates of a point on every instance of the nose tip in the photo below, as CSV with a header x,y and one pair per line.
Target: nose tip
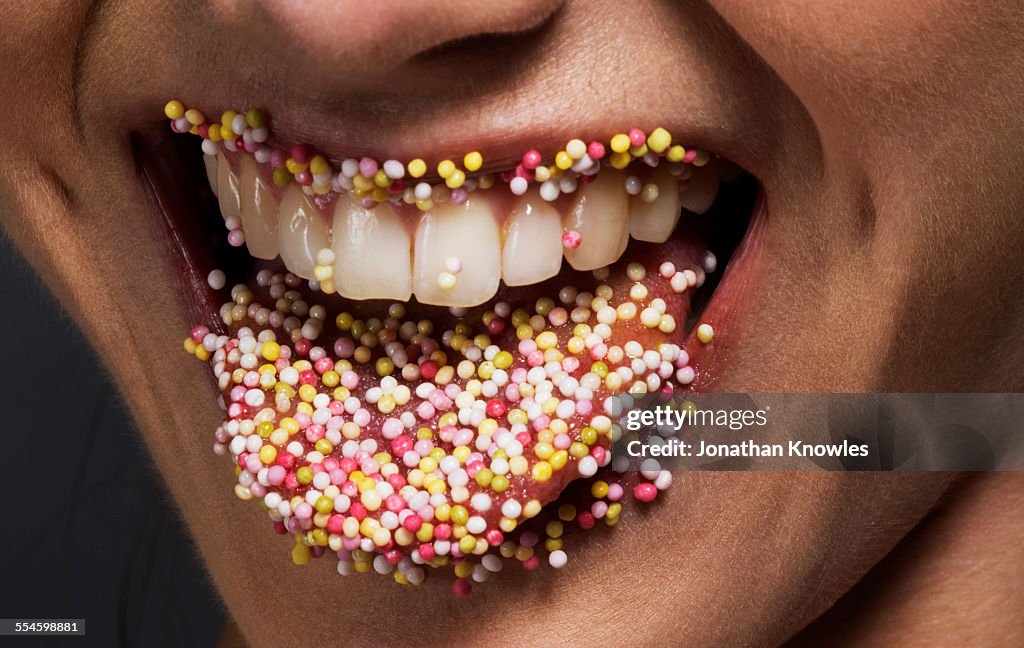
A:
x,y
357,37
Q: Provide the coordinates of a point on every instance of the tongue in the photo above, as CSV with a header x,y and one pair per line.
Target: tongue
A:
x,y
402,434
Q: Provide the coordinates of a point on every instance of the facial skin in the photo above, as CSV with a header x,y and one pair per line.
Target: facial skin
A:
x,y
890,143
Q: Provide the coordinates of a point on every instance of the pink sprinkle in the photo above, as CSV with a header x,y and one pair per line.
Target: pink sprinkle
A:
x,y
690,156
645,492
391,428
236,238
301,153
571,239
596,150
304,178
461,587
637,137
344,348
198,333
368,167
599,508
531,563
531,159
278,158
614,491
558,316
458,196
585,520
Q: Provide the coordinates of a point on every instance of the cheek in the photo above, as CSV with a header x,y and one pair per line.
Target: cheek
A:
x,y
874,57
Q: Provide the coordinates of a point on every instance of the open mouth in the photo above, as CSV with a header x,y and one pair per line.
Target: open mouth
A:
x,y
414,360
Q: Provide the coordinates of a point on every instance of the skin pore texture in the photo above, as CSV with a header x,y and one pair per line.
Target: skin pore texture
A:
x,y
890,145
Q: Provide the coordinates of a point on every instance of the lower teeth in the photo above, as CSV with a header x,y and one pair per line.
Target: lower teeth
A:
x,y
397,449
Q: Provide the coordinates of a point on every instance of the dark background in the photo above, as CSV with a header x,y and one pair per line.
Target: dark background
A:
x,y
87,529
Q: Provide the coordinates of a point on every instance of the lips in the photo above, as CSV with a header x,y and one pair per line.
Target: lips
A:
x,y
396,434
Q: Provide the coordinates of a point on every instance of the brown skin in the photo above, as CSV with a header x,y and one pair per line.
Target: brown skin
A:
x,y
890,143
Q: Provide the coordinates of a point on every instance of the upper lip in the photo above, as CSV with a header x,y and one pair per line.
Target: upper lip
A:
x,y
502,137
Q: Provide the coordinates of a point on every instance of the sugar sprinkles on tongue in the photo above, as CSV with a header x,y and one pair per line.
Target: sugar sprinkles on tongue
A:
x,y
397,449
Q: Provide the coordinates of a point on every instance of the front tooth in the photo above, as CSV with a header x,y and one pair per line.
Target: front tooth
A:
x,y
227,189
467,233
654,221
601,217
701,189
533,242
372,252
301,232
259,212
210,162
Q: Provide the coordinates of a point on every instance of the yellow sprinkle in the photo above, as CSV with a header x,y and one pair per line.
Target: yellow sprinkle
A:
x,y
174,109
255,118
445,168
541,471
318,165
563,160
295,167
446,280
301,554
705,333
676,153
546,340
619,160
659,140
194,117
473,161
455,180
417,168
620,143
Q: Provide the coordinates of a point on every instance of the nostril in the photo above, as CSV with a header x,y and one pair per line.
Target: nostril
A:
x,y
489,46
353,38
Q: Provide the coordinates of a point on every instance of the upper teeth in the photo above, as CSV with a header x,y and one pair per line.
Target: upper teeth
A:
x,y
388,253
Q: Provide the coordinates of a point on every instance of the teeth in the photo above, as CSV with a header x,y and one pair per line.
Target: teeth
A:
x,y
601,217
467,233
701,189
654,221
210,162
533,242
301,232
259,212
227,189
372,252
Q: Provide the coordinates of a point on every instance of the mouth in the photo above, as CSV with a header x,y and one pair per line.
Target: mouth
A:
x,y
415,359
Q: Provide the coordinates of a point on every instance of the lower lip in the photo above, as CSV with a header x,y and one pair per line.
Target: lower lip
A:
x,y
335,403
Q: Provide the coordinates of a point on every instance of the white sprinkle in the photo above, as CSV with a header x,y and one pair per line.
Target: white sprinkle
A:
x,y
394,169
633,185
216,279
518,186
558,559
549,190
